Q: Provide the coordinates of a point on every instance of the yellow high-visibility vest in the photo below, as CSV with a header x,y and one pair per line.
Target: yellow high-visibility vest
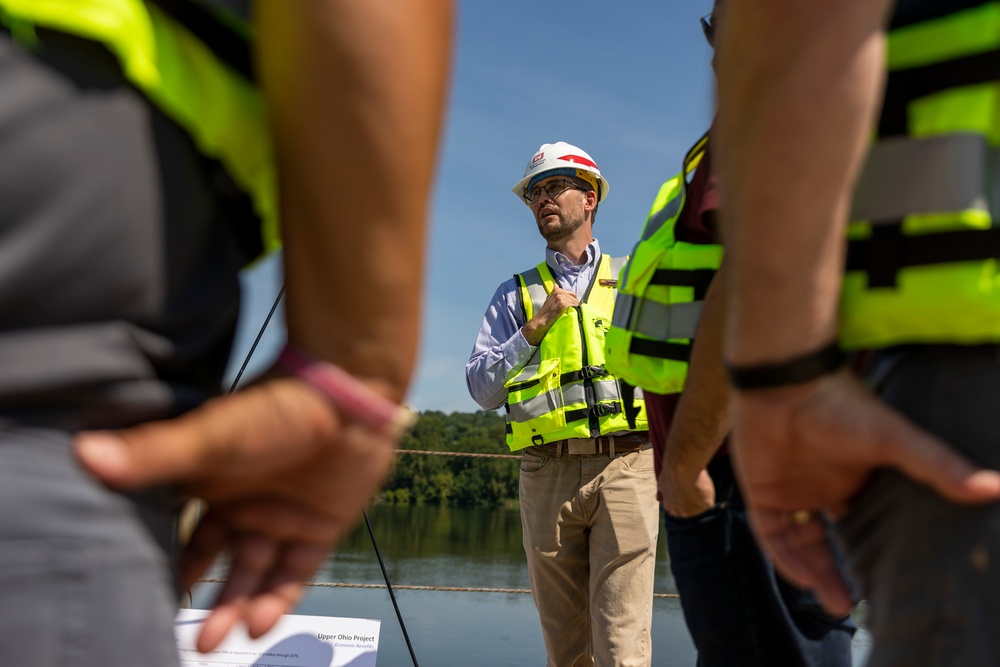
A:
x,y
923,262
565,391
661,293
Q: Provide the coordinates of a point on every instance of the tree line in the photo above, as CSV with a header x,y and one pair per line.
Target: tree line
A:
x,y
453,480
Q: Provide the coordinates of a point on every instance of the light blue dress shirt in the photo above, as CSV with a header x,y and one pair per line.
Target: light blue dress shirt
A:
x,y
501,350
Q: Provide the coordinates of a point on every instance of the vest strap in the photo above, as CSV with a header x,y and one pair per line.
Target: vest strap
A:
x,y
699,279
910,13
599,410
227,45
889,250
660,349
585,373
907,85
629,404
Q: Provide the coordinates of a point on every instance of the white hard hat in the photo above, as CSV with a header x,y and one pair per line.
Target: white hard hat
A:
x,y
563,159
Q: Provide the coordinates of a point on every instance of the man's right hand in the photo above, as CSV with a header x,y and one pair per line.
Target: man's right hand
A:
x,y
809,448
556,303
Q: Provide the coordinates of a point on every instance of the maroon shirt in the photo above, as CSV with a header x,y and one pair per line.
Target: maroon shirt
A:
x,y
695,224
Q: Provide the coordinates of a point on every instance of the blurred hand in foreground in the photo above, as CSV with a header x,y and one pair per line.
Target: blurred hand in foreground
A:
x,y
812,447
283,474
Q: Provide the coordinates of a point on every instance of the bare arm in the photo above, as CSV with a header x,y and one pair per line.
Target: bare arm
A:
x,y
355,92
799,88
702,419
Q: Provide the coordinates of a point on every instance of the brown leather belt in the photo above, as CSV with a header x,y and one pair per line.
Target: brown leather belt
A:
x,y
612,445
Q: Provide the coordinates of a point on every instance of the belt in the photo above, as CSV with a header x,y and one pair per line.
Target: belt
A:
x,y
612,445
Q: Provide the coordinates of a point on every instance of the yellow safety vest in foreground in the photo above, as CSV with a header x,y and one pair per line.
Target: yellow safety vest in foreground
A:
x,y
923,260
206,88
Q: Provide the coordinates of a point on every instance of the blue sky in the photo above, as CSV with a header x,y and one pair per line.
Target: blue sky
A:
x,y
627,81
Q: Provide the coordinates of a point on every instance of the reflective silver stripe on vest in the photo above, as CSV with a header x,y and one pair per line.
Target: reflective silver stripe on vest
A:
x,y
572,394
534,407
628,268
606,390
536,289
669,211
905,176
657,320
616,268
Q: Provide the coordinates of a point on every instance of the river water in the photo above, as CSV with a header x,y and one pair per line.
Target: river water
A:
x,y
465,548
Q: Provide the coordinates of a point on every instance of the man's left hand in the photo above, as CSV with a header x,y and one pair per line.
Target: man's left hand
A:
x,y
683,496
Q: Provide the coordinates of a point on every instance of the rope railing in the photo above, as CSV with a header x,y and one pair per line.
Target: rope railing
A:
x,y
460,454
403,587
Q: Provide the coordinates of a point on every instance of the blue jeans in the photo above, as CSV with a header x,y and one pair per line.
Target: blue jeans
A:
x,y
739,612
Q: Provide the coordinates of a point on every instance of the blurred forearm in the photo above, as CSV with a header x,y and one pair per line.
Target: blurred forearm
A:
x,y
793,127
355,94
703,413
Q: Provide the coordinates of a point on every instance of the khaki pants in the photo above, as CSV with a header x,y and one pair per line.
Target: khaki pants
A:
x,y
590,525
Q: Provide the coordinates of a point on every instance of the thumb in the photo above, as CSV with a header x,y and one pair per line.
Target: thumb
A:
x,y
158,452
932,462
269,426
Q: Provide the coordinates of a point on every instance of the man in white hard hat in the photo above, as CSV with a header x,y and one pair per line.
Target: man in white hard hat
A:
x,y
588,495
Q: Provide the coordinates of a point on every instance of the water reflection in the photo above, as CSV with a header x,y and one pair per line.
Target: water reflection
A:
x,y
462,547
447,546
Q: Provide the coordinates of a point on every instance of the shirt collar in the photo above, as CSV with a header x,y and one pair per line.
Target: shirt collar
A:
x,y
563,264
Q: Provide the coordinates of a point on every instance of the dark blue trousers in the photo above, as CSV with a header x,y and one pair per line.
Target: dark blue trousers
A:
x,y
739,612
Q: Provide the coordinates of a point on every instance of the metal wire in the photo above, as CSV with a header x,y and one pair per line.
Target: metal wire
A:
x,y
260,334
378,553
392,595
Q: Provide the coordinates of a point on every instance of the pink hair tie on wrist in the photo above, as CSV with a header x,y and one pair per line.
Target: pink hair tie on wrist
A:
x,y
349,394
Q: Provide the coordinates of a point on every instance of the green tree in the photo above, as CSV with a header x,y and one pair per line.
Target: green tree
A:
x,y
444,480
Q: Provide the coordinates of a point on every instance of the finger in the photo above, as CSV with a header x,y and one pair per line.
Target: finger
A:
x,y
283,521
253,559
930,461
802,554
209,539
276,424
284,587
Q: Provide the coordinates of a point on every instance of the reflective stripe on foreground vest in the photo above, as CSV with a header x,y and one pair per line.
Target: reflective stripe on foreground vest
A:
x,y
922,262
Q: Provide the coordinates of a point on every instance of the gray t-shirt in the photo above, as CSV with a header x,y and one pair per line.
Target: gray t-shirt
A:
x,y
118,259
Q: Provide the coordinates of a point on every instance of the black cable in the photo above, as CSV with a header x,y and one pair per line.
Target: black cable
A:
x,y
392,595
371,533
260,335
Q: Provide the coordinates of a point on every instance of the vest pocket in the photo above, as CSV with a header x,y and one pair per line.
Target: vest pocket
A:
x,y
535,400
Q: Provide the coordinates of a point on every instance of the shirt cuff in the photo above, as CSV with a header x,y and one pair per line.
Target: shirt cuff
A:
x,y
517,350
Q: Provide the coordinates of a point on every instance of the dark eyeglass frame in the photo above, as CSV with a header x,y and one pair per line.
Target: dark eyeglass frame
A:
x,y
708,28
534,195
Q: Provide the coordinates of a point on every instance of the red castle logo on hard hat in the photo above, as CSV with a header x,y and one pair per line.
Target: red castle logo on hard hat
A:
x,y
538,158
578,159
